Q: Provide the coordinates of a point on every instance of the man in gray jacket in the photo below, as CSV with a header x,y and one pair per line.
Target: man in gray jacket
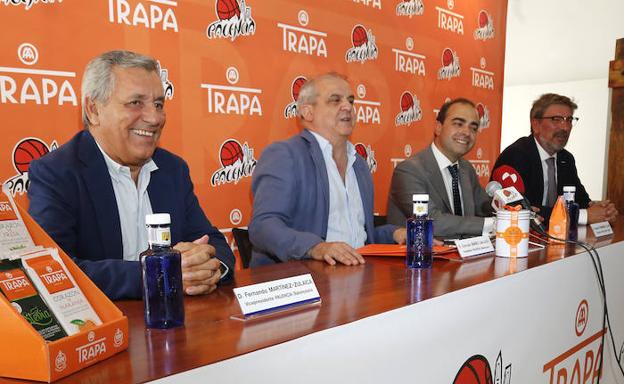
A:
x,y
457,202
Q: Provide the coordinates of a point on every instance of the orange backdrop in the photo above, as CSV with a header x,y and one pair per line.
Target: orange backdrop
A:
x,y
232,69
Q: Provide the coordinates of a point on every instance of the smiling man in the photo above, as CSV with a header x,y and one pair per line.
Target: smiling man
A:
x,y
539,166
313,195
457,201
92,194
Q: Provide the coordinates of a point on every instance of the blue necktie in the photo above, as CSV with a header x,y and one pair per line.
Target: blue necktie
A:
x,y
456,198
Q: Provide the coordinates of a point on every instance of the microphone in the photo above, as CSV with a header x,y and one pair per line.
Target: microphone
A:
x,y
511,196
492,187
507,176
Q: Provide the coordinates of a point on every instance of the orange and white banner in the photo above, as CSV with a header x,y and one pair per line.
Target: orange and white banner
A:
x,y
233,68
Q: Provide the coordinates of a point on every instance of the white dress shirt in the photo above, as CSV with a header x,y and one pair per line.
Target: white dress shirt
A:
x,y
443,164
346,211
133,204
543,157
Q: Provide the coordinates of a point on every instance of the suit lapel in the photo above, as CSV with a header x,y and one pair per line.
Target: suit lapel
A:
x,y
100,188
435,175
321,174
161,188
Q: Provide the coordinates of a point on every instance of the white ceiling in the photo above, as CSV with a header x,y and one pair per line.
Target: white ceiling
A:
x,y
551,41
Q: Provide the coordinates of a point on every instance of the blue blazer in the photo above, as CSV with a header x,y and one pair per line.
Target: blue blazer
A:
x,y
291,201
72,198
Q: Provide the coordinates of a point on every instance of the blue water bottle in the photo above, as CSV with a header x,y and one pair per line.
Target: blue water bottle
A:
x,y
573,211
419,234
161,271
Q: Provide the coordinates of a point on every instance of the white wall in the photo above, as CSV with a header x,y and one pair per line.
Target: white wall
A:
x,y
563,46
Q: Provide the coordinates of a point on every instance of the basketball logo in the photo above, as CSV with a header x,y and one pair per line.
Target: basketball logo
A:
x,y
226,9
447,57
407,101
296,86
231,151
361,150
26,151
483,19
359,36
237,162
480,110
476,370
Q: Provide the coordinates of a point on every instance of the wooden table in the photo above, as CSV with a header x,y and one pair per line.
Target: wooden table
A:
x,y
348,294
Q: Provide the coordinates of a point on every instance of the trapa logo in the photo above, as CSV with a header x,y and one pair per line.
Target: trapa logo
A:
x,y
366,111
30,85
233,100
299,39
409,61
152,14
369,3
449,20
482,78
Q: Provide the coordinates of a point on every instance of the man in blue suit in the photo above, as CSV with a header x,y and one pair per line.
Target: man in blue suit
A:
x,y
313,195
92,194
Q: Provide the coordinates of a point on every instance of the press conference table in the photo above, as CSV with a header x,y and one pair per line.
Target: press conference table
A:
x,y
357,300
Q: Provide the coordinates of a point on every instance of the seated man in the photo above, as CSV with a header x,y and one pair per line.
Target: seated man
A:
x,y
92,194
539,166
457,202
313,195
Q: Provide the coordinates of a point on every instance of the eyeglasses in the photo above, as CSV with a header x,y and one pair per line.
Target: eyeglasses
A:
x,y
560,119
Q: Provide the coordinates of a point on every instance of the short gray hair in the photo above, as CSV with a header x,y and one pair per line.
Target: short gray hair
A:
x,y
98,80
308,92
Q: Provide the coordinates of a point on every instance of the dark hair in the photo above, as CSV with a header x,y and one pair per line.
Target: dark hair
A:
x,y
444,109
546,100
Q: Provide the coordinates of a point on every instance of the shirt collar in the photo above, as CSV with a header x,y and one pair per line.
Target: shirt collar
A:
x,y
326,147
542,152
116,170
441,159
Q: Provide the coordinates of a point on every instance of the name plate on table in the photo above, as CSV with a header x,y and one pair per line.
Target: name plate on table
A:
x,y
474,246
602,229
277,295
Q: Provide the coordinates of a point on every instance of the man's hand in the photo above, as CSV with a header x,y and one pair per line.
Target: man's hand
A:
x,y
400,235
601,211
333,252
200,268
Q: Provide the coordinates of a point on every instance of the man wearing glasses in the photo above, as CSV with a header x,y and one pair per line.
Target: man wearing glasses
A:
x,y
539,166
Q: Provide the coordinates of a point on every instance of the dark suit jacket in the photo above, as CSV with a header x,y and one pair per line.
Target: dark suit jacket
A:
x,y
291,201
524,157
72,198
421,174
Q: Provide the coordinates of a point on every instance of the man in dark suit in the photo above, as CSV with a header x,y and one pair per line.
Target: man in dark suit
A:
x,y
313,195
539,167
92,194
457,202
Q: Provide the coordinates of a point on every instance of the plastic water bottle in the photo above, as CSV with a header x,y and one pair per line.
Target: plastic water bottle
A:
x,y
419,234
161,270
573,211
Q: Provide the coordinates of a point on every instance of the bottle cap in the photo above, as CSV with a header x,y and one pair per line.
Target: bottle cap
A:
x,y
421,197
569,188
158,219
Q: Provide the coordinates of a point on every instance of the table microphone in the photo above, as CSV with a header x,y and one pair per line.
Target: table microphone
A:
x,y
510,196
